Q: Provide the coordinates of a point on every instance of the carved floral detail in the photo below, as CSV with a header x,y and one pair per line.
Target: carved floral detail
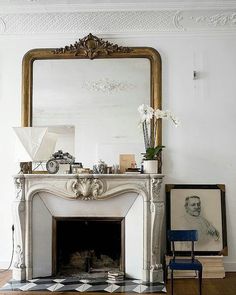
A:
x,y
88,188
19,185
158,211
219,19
156,188
92,46
19,263
178,17
2,26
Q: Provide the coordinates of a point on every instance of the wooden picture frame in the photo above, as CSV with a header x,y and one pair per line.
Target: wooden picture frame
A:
x,y
201,207
89,48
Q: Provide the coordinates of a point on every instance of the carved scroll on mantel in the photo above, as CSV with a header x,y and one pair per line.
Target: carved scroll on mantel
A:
x,y
94,188
89,187
19,224
157,214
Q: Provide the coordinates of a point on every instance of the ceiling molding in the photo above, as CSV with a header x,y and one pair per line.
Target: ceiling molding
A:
x,y
16,6
119,22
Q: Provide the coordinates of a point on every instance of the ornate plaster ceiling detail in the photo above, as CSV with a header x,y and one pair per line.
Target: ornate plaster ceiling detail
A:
x,y
118,22
2,26
177,20
104,22
219,19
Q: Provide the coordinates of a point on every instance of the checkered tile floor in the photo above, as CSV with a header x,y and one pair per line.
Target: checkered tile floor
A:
x,y
91,285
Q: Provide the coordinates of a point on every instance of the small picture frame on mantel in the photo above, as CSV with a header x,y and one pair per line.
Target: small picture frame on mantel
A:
x,y
200,207
126,161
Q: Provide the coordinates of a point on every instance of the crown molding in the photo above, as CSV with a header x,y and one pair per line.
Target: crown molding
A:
x,y
16,6
120,22
147,6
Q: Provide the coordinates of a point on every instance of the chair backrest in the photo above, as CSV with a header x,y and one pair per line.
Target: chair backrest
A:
x,y
182,236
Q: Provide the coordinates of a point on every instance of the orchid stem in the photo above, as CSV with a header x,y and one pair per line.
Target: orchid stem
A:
x,y
145,135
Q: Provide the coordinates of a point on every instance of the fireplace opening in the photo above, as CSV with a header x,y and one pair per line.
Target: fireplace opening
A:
x,y
88,247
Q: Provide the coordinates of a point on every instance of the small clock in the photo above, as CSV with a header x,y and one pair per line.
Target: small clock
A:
x,y
52,166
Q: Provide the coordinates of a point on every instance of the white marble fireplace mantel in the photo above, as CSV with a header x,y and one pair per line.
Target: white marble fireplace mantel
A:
x,y
88,189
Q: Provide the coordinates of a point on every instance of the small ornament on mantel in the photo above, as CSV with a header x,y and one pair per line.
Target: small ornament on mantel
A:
x,y
100,167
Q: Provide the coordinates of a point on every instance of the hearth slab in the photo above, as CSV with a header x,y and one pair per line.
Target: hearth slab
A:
x,y
81,285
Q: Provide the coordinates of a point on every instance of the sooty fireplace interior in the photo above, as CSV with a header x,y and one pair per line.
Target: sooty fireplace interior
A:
x,y
88,247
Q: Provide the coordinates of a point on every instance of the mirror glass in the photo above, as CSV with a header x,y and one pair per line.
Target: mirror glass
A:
x,y
99,98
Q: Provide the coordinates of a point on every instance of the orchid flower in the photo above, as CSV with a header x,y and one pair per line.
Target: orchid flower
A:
x,y
146,113
175,120
159,114
147,116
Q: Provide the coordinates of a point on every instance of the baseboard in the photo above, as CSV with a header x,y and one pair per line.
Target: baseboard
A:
x,y
4,264
230,266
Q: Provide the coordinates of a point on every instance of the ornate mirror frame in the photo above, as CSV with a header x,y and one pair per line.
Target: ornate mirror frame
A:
x,y
90,47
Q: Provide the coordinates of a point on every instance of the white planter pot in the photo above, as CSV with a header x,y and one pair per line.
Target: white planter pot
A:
x,y
150,166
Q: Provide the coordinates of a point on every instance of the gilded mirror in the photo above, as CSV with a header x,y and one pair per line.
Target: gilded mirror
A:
x,y
96,87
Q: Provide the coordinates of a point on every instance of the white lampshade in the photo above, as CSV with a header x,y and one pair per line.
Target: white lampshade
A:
x,y
37,141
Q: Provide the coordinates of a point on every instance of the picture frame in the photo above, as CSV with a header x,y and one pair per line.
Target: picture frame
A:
x,y
201,207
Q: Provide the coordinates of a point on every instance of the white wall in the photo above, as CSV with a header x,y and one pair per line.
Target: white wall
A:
x,y
202,150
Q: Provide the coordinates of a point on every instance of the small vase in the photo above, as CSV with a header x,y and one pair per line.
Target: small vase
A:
x,y
150,166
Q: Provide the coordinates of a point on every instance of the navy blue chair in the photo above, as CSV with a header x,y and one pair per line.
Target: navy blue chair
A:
x,y
179,263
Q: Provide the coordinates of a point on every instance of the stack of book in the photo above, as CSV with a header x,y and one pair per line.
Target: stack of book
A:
x,y
213,267
133,171
115,276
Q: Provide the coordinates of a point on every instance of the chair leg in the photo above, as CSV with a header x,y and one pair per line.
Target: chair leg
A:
x,y
200,282
172,282
166,274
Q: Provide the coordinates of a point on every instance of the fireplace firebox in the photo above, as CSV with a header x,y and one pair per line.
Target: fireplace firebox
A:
x,y
88,247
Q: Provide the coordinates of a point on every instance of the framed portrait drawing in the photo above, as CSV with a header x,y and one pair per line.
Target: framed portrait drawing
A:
x,y
200,207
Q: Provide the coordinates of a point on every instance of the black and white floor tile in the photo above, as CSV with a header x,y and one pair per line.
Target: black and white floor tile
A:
x,y
83,285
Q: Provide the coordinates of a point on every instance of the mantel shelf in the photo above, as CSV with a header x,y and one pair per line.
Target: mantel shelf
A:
x,y
85,175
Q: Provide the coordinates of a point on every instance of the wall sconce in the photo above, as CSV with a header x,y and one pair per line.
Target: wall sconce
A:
x,y
195,75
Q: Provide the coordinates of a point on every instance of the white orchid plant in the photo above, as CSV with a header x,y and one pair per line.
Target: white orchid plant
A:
x,y
149,120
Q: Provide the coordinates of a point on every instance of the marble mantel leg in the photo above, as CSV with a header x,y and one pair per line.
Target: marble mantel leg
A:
x,y
19,268
157,215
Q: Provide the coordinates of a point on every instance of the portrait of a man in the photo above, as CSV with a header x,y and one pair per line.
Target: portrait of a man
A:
x,y
199,209
195,220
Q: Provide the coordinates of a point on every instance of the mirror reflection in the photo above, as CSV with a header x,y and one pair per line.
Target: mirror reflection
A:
x,y
99,98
